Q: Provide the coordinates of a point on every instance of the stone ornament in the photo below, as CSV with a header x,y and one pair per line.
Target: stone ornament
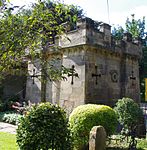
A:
x,y
114,75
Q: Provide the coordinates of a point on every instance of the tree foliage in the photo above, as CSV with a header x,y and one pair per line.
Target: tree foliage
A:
x,y
24,31
134,26
129,113
117,33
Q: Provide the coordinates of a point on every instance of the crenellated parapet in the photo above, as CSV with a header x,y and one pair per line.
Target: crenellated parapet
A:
x,y
92,33
106,69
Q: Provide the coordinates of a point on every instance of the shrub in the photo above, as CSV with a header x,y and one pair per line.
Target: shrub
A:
x,y
44,127
84,117
10,117
128,112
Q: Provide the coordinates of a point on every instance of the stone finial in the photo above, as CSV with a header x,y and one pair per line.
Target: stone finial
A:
x,y
97,139
127,37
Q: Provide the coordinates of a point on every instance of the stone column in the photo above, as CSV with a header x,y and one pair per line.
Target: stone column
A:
x,y
97,139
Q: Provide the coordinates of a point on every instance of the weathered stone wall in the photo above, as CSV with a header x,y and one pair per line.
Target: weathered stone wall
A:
x,y
132,88
14,86
53,88
93,52
106,87
112,61
73,93
33,85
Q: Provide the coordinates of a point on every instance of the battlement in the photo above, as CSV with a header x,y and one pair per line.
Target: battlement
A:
x,y
93,33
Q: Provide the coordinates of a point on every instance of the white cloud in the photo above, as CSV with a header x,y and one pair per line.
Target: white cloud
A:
x,y
139,11
98,10
120,17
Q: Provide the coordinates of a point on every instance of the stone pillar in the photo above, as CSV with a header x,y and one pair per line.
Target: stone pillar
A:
x,y
106,29
127,37
97,139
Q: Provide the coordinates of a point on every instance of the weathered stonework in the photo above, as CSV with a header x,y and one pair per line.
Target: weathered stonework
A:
x,y
107,69
33,84
97,138
13,87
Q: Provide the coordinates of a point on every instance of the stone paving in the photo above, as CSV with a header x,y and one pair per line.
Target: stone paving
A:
x,y
5,127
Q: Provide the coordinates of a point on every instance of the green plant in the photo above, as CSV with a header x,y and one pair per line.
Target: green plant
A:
x,y
44,127
142,144
128,112
10,117
84,117
34,29
117,33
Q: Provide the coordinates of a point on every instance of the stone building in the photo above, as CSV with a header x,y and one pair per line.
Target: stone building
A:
x,y
107,69
14,86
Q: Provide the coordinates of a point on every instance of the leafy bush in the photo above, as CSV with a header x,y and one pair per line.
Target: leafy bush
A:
x,y
129,113
10,117
84,117
44,127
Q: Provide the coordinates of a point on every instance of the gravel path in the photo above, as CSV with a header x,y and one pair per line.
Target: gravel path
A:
x,y
5,127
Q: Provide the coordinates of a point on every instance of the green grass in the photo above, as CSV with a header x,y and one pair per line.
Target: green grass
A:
x,y
8,141
142,143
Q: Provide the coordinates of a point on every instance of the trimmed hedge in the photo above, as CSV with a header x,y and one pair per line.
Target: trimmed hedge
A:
x,y
44,127
84,117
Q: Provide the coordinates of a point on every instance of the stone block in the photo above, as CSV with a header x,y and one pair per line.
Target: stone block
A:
x,y
97,139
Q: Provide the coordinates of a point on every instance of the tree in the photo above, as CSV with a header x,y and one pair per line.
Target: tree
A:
x,y
118,33
133,26
24,32
136,27
129,113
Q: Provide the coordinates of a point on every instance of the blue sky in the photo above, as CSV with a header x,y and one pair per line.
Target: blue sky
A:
x,y
119,10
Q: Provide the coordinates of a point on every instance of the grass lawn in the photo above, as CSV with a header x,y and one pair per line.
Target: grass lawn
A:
x,y
7,141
